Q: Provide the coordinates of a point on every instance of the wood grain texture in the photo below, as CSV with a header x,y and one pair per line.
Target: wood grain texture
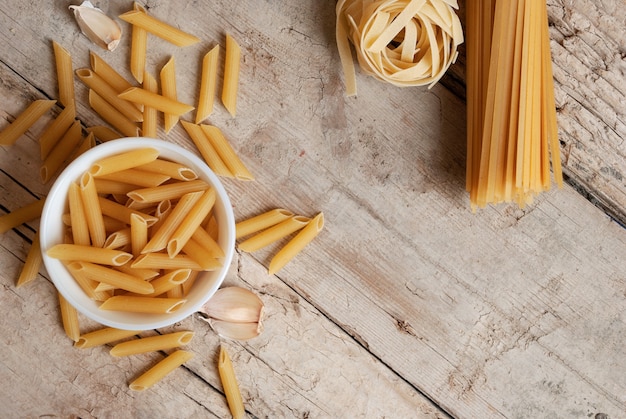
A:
x,y
407,304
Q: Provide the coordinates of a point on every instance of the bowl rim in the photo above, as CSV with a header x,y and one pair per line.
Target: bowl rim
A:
x,y
51,225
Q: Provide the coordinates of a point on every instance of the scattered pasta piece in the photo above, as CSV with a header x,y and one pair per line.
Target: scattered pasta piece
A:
x,y
230,385
231,75
160,370
24,121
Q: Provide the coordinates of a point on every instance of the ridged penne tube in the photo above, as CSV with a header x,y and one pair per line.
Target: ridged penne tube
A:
x,y
122,161
150,114
122,213
231,75
230,385
176,292
24,121
261,222
108,73
93,212
157,101
199,254
109,94
159,28
111,115
105,134
206,149
160,370
138,233
80,229
69,318
162,211
226,152
186,286
204,239
296,244
208,82
116,278
274,233
103,336
55,130
152,343
113,187
118,239
171,169
32,264
191,222
138,47
134,304
137,177
170,191
65,75
21,215
85,144
61,152
87,284
168,89
91,254
146,274
167,281
163,261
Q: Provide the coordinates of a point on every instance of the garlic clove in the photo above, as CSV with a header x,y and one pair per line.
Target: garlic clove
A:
x,y
234,304
237,331
97,26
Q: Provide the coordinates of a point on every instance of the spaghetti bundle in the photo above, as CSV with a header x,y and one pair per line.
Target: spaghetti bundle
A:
x,y
402,42
512,132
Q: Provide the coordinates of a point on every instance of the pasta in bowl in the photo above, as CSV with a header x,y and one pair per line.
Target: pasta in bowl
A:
x,y
137,233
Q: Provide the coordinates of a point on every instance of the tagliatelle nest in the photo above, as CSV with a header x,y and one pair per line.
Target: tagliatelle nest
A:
x,y
402,42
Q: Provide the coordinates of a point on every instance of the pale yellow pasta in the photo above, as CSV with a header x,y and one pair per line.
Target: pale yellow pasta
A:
x,y
169,168
111,115
186,286
166,282
199,254
138,233
65,75
69,318
138,48
231,75
169,191
109,94
152,343
21,215
157,101
105,134
163,209
273,234
80,229
107,187
230,385
168,89
113,277
103,336
61,152
159,28
226,152
93,211
176,291
204,239
122,213
160,370
32,264
146,274
108,73
208,152
21,124
296,244
137,177
208,82
85,144
191,222
163,261
88,285
261,222
78,252
150,114
118,239
135,304
122,161
55,130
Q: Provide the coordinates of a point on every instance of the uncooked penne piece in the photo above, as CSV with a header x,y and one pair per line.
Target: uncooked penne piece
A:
x,y
138,234
169,168
102,256
65,75
261,222
108,73
55,130
199,254
296,244
160,370
122,161
61,152
186,286
152,343
113,277
93,211
96,83
169,191
111,115
80,229
167,281
146,274
122,213
138,47
231,75
24,121
137,177
113,187
191,222
85,144
168,89
273,234
69,318
135,304
230,385
226,152
204,239
103,336
208,152
159,28
157,101
163,261
150,114
208,82
105,134
32,264
21,215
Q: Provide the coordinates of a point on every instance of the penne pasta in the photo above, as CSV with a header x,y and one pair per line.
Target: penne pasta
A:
x,y
85,144
69,318
208,82
146,274
105,134
107,73
273,234
160,370
168,89
149,127
296,244
199,254
55,130
173,170
84,253
134,304
176,292
21,124
103,336
61,152
21,215
65,75
122,161
191,222
112,116
80,229
204,239
226,152
186,286
122,213
231,75
32,264
138,234
169,191
208,152
88,285
230,385
157,27
137,177
152,343
157,101
167,281
261,222
113,187
118,239
93,211
163,261
113,277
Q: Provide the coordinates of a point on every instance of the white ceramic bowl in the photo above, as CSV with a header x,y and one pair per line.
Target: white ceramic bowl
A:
x,y
52,232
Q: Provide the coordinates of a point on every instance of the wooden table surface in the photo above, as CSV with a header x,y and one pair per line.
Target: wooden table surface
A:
x,y
408,304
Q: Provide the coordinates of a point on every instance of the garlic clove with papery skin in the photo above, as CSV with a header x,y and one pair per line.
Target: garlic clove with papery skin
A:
x,y
234,304
237,331
97,26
